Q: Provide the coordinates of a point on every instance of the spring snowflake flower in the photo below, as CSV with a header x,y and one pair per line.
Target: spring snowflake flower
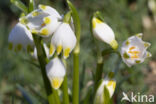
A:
x,y
64,38
43,21
103,32
55,72
20,37
134,50
110,84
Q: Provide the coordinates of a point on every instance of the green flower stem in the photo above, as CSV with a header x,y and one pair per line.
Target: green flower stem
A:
x,y
42,61
99,67
56,97
76,20
65,91
76,79
65,87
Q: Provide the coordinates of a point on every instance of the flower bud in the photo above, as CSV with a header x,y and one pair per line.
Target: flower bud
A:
x,y
104,33
55,71
110,84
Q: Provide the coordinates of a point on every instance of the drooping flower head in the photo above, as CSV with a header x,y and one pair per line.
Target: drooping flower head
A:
x,y
134,50
55,72
20,38
110,83
104,33
43,21
63,38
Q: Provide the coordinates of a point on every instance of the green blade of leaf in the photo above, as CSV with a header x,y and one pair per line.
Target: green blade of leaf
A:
x,y
20,5
30,99
31,5
77,26
106,95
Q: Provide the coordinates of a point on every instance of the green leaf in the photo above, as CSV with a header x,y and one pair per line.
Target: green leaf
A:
x,y
28,97
31,5
106,95
20,5
77,26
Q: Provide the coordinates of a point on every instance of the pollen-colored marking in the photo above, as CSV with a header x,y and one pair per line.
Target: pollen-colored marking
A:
x,y
127,42
134,56
56,82
43,24
133,52
43,7
112,83
95,21
44,31
51,50
10,46
131,48
126,56
149,54
34,31
23,20
139,35
29,48
35,13
146,44
66,52
59,49
47,20
19,47
137,61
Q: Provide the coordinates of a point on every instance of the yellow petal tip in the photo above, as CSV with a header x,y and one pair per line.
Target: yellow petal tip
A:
x,y
59,49
56,82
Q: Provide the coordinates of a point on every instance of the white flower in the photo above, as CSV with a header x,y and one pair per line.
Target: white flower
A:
x,y
103,32
64,38
55,72
20,37
110,84
46,51
134,50
43,21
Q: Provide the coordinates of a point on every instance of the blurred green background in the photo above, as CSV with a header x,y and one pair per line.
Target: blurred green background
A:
x,y
21,82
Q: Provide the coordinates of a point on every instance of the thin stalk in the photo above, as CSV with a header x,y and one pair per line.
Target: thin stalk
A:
x,y
76,79
65,91
42,61
56,97
42,58
76,20
99,67
65,87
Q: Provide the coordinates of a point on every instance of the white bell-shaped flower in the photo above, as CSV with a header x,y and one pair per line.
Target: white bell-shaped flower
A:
x,y
46,51
110,84
104,33
63,38
134,50
43,21
20,37
55,72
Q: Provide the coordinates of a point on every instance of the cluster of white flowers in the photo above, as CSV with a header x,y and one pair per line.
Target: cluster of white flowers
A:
x,y
48,24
